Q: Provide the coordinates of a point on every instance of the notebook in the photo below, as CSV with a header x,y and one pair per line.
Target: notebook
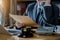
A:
x,y
26,20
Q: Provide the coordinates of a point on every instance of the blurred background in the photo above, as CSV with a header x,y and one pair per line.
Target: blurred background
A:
x,y
17,7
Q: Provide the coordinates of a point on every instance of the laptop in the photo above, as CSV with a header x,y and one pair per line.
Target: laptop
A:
x,y
10,32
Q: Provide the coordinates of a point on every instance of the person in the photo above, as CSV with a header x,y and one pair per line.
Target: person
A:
x,y
42,12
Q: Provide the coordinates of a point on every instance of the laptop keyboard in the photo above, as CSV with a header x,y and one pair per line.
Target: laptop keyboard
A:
x,y
14,31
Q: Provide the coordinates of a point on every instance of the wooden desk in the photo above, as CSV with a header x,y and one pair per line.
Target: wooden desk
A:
x,y
6,37
36,37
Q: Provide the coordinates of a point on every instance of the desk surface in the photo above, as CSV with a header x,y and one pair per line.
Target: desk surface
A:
x,y
36,37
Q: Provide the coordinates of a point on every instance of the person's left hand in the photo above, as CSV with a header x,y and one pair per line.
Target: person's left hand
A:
x,y
19,25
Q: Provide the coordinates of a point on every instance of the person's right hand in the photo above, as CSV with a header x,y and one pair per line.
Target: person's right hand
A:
x,y
19,25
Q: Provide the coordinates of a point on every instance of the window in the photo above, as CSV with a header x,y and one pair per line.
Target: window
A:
x,y
0,2
0,17
0,12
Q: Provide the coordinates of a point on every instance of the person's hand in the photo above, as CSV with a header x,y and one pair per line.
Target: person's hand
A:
x,y
19,25
48,1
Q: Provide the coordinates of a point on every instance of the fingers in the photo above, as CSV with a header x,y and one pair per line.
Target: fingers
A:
x,y
19,25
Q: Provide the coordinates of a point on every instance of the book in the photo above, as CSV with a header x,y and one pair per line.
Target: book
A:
x,y
26,20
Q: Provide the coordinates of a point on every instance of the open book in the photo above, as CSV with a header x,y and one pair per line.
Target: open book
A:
x,y
26,20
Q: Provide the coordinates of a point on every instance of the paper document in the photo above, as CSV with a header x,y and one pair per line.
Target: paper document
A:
x,y
26,20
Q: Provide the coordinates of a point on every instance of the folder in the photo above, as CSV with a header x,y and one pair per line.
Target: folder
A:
x,y
26,20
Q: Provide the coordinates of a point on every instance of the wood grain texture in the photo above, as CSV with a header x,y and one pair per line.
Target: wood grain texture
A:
x,y
6,37
36,37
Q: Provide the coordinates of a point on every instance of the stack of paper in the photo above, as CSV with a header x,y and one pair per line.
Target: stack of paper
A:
x,y
26,20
